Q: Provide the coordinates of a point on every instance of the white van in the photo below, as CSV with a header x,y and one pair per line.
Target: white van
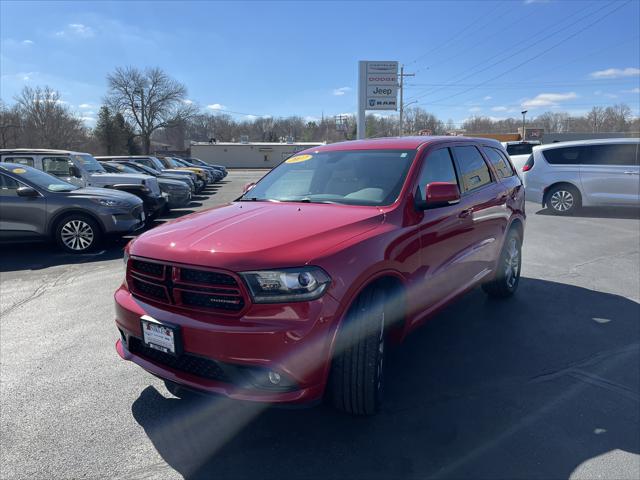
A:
x,y
567,175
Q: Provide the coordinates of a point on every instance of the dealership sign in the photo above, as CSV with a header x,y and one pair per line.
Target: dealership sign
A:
x,y
379,85
377,89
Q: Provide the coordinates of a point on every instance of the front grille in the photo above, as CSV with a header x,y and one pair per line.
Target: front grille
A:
x,y
198,366
200,299
203,276
148,268
191,288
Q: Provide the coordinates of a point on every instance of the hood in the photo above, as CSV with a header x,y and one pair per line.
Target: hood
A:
x,y
256,235
135,178
105,193
173,182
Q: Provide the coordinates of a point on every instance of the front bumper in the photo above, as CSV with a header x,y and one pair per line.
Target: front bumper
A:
x,y
120,221
153,205
294,340
179,199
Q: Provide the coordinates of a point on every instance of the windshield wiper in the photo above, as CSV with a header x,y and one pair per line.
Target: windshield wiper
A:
x,y
254,199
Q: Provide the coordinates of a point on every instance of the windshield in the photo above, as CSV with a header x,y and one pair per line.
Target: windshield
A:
x,y
158,164
144,169
520,148
89,163
180,162
358,177
123,168
41,179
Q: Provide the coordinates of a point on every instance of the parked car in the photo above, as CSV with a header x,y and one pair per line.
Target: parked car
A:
x,y
83,170
155,163
39,206
185,179
519,152
566,176
214,174
296,288
178,193
201,163
170,163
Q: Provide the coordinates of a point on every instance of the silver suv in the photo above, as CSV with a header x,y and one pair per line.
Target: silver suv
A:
x,y
565,176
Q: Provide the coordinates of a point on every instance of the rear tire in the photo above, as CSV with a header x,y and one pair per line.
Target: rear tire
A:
x,y
356,379
77,233
563,200
507,276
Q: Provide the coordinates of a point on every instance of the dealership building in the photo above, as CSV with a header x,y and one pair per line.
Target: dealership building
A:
x,y
247,154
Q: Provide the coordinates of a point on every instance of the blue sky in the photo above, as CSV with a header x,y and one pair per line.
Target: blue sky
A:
x,y
488,58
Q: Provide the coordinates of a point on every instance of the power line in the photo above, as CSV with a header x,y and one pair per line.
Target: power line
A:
x,y
518,52
555,45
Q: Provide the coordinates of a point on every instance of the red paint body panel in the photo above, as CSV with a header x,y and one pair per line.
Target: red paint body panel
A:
x,y
435,254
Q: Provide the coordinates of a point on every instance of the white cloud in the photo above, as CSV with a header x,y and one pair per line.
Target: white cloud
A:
x,y
488,97
633,90
28,42
251,118
85,106
76,30
529,2
310,118
216,106
188,102
616,73
338,92
475,109
500,108
548,99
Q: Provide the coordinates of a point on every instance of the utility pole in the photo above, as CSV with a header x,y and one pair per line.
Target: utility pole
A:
x,y
402,75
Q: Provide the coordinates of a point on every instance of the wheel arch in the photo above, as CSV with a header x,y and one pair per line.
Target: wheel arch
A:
x,y
59,216
545,193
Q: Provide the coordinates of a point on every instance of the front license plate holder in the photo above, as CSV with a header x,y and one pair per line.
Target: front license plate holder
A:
x,y
161,336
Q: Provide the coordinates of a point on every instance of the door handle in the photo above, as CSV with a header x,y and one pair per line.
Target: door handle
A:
x,y
465,213
632,173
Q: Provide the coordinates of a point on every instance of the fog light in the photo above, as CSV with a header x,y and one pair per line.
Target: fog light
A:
x,y
274,378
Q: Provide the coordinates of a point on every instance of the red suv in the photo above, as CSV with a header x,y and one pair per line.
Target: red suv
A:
x,y
292,292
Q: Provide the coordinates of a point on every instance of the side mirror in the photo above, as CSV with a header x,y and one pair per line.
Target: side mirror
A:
x,y
74,171
27,192
439,194
247,187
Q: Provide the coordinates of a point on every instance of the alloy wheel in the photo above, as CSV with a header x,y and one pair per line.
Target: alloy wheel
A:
x,y
562,200
77,235
512,263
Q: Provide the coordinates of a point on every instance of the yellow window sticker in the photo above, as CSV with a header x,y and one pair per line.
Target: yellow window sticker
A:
x,y
19,170
299,158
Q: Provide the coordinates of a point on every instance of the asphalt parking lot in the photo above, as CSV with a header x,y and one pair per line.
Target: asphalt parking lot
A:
x,y
543,386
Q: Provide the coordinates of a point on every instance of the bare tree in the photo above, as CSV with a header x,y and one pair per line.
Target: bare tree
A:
x,y
10,126
148,99
595,117
46,120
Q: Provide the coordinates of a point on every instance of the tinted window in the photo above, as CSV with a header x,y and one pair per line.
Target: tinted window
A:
x,y
21,160
438,167
473,169
89,163
620,154
42,179
519,148
499,162
59,166
8,185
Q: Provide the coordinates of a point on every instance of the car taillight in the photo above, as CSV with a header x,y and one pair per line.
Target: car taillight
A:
x,y
529,164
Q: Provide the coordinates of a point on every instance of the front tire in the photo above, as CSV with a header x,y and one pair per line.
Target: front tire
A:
x,y
507,277
356,379
77,233
563,200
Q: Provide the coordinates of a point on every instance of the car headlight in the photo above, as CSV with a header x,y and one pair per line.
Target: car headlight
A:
x,y
287,285
105,202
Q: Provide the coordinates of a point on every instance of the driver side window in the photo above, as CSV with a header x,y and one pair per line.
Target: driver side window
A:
x,y
58,166
8,186
437,167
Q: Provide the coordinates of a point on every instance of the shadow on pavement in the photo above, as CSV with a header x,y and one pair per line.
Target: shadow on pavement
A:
x,y
529,387
600,212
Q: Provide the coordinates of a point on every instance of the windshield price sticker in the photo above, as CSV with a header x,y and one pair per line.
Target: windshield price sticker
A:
x,y
299,159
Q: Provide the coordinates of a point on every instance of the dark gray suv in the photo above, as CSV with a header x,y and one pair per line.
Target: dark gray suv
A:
x,y
37,206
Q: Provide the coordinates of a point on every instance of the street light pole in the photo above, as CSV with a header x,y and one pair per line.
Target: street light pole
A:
x,y
402,75
524,112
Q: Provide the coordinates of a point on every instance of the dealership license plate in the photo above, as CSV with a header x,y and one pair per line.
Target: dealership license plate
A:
x,y
158,336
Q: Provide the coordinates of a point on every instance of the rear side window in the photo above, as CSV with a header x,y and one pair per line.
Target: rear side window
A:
x,y
474,172
500,164
8,185
58,166
614,154
21,160
438,167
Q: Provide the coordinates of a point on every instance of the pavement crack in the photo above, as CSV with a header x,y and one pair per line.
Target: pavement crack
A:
x,y
37,293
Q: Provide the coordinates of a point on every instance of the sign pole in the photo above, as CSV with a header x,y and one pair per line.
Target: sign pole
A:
x,y
362,94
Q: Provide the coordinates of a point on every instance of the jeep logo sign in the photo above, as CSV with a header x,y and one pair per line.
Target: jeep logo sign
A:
x,y
378,86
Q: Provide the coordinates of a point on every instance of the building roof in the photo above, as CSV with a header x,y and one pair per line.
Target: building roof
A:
x,y
259,144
